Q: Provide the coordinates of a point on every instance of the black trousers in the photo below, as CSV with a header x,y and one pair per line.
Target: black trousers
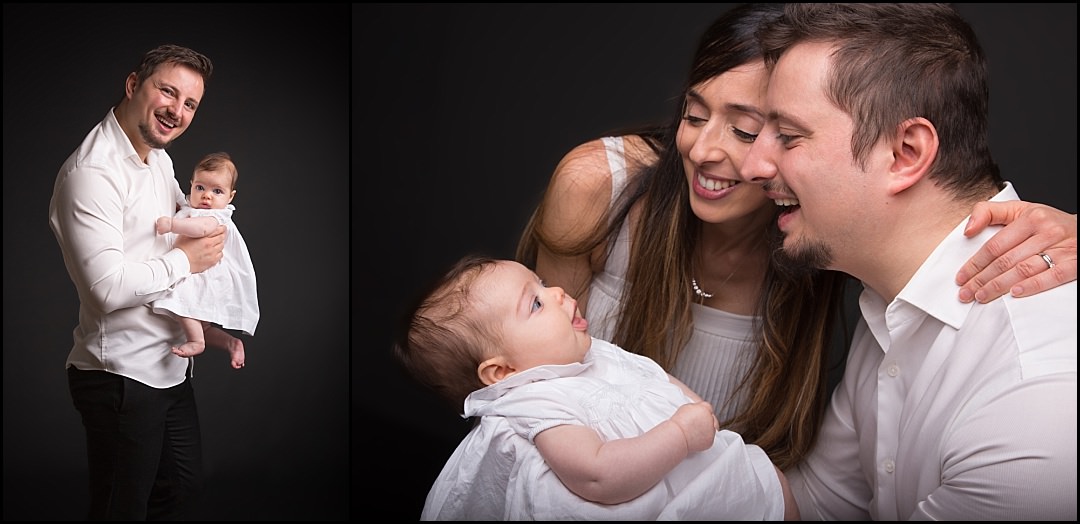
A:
x,y
143,446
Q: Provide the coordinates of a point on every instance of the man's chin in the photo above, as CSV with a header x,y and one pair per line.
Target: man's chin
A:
x,y
802,257
153,141
160,144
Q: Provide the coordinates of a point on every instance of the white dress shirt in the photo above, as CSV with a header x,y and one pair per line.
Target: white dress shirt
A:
x,y
949,410
104,204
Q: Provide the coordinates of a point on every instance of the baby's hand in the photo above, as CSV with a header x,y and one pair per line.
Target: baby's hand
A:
x,y
163,225
698,424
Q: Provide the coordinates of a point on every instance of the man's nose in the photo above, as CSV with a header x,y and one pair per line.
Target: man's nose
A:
x,y
758,166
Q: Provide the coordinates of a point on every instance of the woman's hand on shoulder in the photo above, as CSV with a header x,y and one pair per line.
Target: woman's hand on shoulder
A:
x,y
1012,261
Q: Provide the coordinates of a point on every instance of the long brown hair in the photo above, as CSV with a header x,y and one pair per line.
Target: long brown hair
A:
x,y
782,399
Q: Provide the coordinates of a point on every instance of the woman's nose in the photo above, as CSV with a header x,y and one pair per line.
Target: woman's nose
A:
x,y
707,147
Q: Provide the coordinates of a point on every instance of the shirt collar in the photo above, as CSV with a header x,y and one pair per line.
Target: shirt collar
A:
x,y
480,399
933,288
116,133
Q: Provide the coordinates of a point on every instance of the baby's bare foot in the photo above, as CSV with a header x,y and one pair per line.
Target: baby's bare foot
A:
x,y
189,349
236,349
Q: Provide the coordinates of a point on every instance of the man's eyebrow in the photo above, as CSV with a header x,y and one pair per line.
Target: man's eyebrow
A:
x,y
787,119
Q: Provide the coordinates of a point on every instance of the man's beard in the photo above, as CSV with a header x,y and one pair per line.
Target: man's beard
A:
x,y
803,258
150,139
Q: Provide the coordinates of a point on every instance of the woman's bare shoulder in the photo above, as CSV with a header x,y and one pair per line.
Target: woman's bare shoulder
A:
x,y
579,193
586,171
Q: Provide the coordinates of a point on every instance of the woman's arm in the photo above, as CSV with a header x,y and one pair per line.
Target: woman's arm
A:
x,y
575,203
575,207
1011,260
620,470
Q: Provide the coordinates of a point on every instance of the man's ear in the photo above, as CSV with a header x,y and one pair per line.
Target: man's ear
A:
x,y
130,84
914,149
494,369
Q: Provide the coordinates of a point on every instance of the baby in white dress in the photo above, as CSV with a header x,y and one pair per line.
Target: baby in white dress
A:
x,y
223,296
569,427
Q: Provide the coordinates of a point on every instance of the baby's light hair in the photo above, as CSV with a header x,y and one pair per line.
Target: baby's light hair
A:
x,y
219,161
442,341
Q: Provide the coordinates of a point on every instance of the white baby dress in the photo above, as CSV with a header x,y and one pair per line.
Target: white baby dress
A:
x,y
224,294
497,473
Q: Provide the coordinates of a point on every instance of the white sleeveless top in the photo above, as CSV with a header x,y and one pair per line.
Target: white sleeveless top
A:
x,y
719,351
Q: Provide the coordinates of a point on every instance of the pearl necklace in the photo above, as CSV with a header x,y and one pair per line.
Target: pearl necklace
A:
x,y
698,291
704,295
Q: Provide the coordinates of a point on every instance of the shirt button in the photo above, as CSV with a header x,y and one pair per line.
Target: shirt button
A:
x,y
893,370
889,465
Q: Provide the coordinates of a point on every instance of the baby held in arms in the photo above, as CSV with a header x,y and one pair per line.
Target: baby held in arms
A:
x,y
568,426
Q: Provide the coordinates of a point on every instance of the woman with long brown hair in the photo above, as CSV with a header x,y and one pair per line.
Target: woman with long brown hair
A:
x,y
670,255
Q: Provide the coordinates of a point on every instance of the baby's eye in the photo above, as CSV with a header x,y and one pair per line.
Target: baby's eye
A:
x,y
218,192
536,304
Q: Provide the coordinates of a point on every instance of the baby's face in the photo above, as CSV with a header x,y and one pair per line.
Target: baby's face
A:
x,y
211,190
540,325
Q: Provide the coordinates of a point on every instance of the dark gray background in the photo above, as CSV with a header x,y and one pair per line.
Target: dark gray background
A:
x,y
463,112
459,113
275,433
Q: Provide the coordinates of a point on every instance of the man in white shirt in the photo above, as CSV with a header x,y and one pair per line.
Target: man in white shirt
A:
x,y
135,397
876,145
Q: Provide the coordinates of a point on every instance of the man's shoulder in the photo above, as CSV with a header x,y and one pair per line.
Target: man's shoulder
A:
x,y
96,149
1045,308
1044,328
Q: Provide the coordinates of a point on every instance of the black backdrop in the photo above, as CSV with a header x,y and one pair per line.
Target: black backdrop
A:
x,y
275,433
466,109
459,113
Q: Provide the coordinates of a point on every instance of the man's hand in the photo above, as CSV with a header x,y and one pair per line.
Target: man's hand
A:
x,y
203,252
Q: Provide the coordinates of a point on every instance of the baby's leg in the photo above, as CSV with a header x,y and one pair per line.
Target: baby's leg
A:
x,y
218,337
195,344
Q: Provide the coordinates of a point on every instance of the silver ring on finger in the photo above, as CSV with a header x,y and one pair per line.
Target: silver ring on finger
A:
x,y
1046,258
